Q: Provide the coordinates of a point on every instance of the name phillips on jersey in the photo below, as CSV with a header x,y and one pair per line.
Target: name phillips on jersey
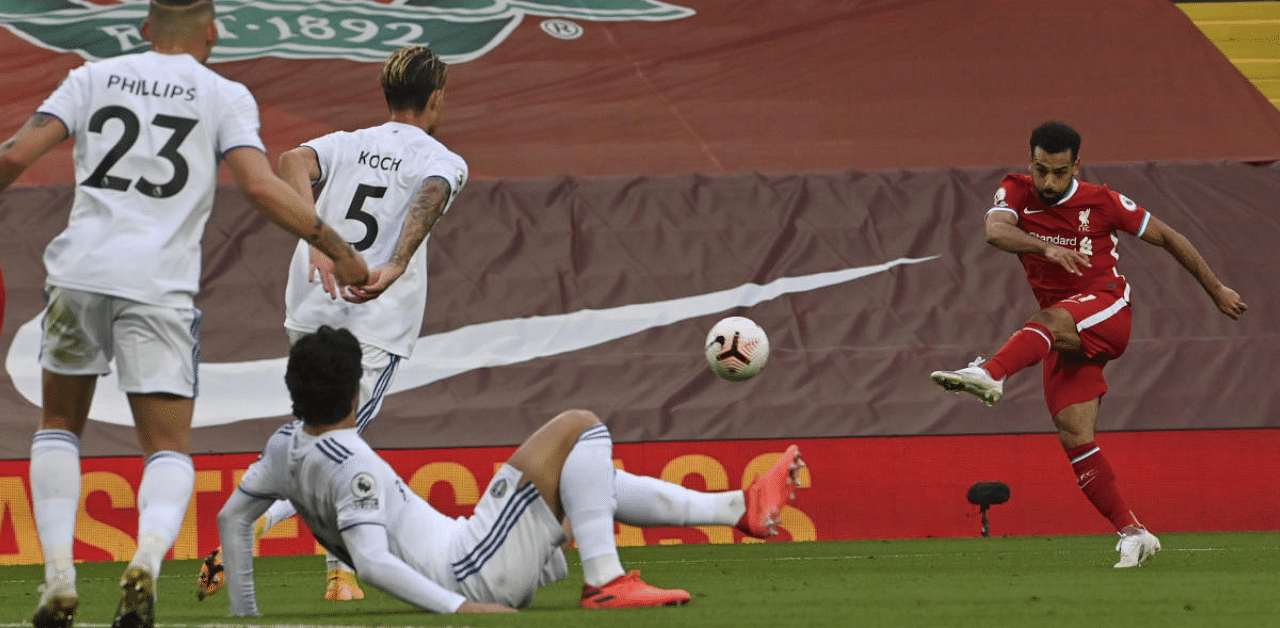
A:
x,y
143,87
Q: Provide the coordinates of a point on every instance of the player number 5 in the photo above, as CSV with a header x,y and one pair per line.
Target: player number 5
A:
x,y
370,222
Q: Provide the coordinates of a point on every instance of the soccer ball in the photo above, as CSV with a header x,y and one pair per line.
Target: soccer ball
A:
x,y
737,348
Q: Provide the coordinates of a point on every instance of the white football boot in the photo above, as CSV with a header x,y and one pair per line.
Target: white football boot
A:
x,y
1136,546
972,379
58,604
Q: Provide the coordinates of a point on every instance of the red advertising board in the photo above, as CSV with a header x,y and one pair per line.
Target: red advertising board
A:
x,y
854,488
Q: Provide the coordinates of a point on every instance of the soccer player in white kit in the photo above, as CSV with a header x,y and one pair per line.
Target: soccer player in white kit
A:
x,y
359,509
149,129
384,189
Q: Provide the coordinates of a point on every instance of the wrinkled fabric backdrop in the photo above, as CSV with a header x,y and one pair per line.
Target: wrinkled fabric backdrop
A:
x,y
821,167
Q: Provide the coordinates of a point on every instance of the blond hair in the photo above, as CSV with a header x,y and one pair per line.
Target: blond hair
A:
x,y
409,77
178,19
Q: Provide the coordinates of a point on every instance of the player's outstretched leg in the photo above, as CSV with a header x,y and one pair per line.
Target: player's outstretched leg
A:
x,y
1136,545
768,493
137,607
58,604
972,379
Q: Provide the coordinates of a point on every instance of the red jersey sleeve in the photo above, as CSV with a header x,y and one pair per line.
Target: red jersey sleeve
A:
x,y
1012,194
1124,213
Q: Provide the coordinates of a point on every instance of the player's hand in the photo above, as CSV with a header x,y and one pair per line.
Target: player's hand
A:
x,y
379,280
1069,259
482,607
1229,302
323,266
351,270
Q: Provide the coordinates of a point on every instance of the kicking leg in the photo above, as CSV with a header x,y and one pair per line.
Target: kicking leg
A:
x,y
1051,328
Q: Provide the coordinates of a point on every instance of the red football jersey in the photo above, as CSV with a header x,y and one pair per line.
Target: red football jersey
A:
x,y
1086,220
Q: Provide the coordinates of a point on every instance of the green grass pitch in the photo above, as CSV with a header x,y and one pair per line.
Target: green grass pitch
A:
x,y
1207,579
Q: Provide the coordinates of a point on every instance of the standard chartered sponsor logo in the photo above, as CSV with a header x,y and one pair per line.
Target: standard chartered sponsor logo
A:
x,y
353,30
1056,239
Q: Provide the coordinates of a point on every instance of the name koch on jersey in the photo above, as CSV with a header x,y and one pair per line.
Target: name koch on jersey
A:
x,y
371,179
1086,220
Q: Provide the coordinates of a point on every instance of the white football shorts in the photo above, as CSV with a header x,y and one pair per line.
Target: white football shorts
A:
x,y
510,546
156,348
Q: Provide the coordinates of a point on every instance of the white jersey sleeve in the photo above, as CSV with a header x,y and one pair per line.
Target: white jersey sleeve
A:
x,y
261,486
149,129
372,177
69,102
240,129
355,505
370,548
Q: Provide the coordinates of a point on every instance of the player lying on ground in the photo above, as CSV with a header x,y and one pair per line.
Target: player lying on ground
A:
x,y
398,206
494,561
1065,232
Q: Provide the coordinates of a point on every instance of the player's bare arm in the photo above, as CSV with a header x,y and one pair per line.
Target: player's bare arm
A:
x,y
300,168
1162,235
1003,233
279,202
484,607
40,134
428,206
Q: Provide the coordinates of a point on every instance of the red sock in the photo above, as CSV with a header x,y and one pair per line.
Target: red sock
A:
x,y
1098,481
1024,348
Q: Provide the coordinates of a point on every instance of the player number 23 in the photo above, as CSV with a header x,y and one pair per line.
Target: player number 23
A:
x,y
132,127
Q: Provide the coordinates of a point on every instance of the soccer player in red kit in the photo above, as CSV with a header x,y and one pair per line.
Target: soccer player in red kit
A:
x,y
1064,232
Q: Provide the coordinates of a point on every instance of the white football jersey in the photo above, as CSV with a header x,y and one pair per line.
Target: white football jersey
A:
x,y
336,481
149,130
371,179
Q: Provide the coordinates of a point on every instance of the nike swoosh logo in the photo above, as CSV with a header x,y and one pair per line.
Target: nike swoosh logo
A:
x,y
239,391
1032,211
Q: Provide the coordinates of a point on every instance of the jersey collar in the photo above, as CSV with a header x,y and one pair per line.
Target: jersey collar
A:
x,y
1075,184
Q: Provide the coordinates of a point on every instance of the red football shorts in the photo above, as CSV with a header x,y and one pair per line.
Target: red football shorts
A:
x,y
1103,321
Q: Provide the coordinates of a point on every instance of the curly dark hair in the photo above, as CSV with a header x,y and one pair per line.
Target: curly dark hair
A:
x,y
323,375
1055,137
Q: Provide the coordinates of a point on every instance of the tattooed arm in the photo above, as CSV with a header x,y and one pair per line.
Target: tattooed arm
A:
x,y
276,200
40,134
427,207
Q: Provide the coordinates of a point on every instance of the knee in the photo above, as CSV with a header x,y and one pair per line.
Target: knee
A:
x,y
575,421
1056,319
1073,433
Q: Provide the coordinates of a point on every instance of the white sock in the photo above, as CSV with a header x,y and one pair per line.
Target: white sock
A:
x,y
586,492
279,511
646,501
333,562
167,483
55,497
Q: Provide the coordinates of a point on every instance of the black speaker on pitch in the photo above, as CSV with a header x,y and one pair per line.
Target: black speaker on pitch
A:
x,y
986,494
